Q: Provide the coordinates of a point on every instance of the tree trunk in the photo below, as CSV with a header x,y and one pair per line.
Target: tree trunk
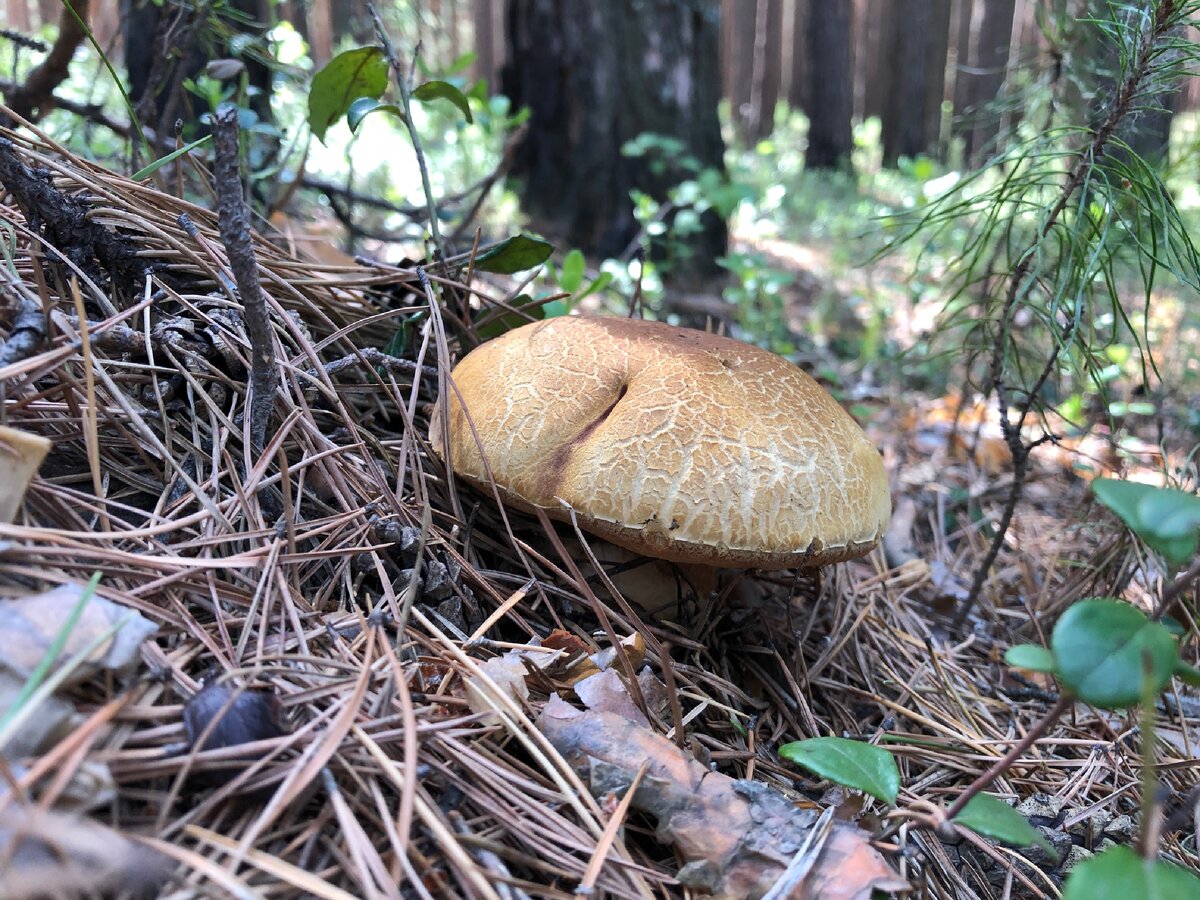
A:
x,y
164,45
960,57
874,40
768,52
831,88
917,36
321,36
986,75
800,68
594,77
18,16
1147,133
738,18
487,60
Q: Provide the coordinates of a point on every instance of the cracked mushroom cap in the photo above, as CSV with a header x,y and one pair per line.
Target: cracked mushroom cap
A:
x,y
667,441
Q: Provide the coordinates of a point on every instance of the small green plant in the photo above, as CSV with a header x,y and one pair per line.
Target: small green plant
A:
x,y
670,224
351,84
1103,652
757,294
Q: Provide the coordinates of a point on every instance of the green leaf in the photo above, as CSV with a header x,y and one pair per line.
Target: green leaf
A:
x,y
1166,519
1187,674
600,283
507,321
853,764
444,90
993,818
1030,657
1120,874
462,63
170,157
572,271
364,106
1099,646
479,90
345,78
516,254
555,308
398,342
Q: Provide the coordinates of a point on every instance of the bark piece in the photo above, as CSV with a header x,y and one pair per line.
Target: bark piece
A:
x,y
737,837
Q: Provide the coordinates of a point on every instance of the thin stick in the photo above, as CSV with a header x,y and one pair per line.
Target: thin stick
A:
x,y
588,883
1004,762
1181,583
406,104
235,235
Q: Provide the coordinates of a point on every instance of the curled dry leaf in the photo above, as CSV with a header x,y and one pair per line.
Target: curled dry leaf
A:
x,y
632,647
20,455
49,854
507,672
91,785
605,691
30,625
736,837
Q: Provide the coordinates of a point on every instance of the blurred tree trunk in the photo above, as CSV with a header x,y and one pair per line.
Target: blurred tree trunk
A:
x,y
1148,132
960,51
454,25
768,63
877,71
737,37
351,18
831,89
17,12
106,23
754,41
800,74
164,45
487,60
985,76
917,36
319,27
594,77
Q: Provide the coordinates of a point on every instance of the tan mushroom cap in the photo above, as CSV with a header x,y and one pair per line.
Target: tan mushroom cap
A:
x,y
669,442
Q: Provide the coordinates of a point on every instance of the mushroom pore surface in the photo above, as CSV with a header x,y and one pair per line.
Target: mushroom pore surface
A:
x,y
667,441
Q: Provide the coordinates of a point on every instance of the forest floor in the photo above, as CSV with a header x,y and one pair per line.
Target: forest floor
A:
x,y
394,729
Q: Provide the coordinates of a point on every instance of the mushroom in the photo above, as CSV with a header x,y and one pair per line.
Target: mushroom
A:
x,y
669,442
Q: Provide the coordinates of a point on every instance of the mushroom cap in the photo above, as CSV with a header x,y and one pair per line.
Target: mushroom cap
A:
x,y
670,442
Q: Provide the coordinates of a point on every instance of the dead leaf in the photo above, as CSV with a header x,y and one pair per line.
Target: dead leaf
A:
x,y
606,692
737,838
29,626
20,455
571,644
54,719
508,674
50,854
